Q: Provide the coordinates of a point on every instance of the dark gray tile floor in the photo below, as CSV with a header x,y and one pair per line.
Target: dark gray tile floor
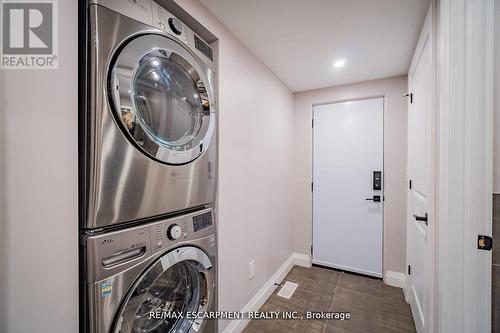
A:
x,y
374,306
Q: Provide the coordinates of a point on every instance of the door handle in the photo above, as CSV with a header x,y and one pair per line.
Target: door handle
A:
x,y
375,198
424,218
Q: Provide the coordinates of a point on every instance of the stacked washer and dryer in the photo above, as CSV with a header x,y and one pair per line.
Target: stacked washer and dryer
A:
x,y
147,171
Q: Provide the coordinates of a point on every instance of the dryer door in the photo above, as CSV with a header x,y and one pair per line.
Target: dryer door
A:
x,y
162,98
180,282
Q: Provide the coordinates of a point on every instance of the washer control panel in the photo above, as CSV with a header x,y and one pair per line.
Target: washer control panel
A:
x,y
192,226
202,221
112,252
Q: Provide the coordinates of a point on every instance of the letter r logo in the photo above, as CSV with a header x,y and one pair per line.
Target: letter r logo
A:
x,y
27,28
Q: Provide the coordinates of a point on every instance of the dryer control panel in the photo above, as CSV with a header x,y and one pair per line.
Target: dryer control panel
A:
x,y
167,22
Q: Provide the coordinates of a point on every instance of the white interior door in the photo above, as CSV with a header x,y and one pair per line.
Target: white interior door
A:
x,y
348,148
420,257
465,79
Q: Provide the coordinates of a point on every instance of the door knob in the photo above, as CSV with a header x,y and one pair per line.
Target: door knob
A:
x,y
375,198
424,218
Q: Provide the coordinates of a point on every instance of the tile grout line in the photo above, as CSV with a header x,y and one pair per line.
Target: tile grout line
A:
x,y
336,287
333,299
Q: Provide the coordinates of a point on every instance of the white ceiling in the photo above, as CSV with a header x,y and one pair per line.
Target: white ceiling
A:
x,y
300,39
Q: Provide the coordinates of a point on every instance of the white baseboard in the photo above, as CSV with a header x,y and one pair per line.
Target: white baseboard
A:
x,y
395,279
299,259
405,293
303,260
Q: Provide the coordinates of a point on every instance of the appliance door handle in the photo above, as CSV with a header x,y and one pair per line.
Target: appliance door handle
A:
x,y
424,218
123,257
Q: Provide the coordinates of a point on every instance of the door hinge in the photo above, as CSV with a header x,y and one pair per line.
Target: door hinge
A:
x,y
312,186
409,270
311,249
410,184
484,242
312,123
411,97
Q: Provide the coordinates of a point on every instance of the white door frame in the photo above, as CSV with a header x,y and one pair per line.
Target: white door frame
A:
x,y
465,164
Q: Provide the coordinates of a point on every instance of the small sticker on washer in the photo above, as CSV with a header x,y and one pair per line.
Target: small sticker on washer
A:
x,y
106,288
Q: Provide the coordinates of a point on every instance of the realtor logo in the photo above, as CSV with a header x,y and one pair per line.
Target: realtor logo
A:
x,y
29,34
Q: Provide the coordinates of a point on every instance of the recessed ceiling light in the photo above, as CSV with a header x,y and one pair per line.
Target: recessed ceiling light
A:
x,y
339,63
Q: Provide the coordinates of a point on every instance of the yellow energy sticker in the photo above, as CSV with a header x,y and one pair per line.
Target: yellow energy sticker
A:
x,y
106,288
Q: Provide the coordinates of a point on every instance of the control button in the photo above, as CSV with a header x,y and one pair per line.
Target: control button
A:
x,y
162,25
175,25
174,232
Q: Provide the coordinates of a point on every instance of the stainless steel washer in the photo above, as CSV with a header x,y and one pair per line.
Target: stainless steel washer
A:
x,y
140,279
148,118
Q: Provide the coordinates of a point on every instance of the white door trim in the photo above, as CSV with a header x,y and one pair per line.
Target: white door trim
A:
x,y
465,163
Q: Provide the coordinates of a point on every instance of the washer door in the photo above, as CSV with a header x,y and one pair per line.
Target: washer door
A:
x,y
179,282
162,98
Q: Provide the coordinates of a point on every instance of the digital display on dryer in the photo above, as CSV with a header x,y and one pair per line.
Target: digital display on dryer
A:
x,y
203,48
202,221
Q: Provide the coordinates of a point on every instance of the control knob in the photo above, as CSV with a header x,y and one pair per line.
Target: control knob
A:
x,y
175,25
174,232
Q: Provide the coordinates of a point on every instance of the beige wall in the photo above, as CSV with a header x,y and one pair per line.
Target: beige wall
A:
x,y
395,147
255,131
38,257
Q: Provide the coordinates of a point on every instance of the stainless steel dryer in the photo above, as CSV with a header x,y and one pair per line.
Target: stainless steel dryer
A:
x,y
140,279
148,141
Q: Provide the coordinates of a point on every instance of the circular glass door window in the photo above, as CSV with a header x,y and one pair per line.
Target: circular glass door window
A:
x,y
167,102
160,301
162,97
